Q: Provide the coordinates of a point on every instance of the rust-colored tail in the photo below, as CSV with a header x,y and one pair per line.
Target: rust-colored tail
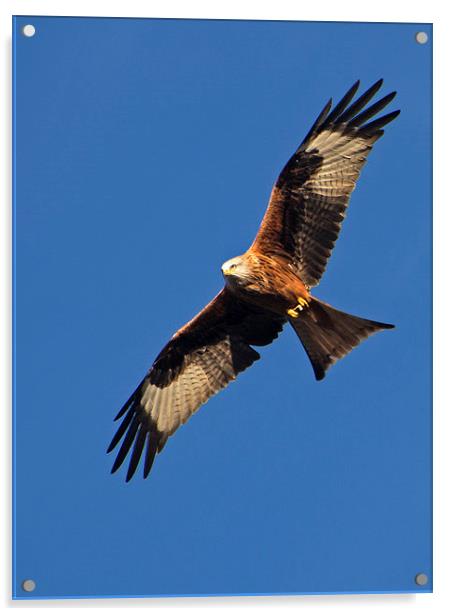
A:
x,y
328,334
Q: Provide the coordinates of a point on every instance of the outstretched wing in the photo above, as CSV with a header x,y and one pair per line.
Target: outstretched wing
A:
x,y
309,200
199,360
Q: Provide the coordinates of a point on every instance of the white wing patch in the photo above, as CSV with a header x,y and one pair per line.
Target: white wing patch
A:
x,y
171,406
344,155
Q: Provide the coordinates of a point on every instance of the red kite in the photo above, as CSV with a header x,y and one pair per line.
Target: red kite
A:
x,y
266,286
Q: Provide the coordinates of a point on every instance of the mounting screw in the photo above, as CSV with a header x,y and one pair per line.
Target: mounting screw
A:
x,y
28,585
421,579
421,37
29,30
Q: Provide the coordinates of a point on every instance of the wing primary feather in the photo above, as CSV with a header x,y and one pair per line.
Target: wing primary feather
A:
x,y
360,103
371,111
341,106
127,404
319,120
374,126
137,452
151,451
128,440
121,431
162,442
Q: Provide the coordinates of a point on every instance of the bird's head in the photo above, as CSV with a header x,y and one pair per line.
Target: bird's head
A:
x,y
236,271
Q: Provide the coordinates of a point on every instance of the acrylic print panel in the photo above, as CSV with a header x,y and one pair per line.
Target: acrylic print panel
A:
x,y
145,154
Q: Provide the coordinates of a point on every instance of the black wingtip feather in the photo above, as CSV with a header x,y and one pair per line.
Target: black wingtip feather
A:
x,y
137,452
126,444
371,111
129,401
343,103
360,103
380,122
121,430
354,115
319,120
151,452
386,325
125,407
140,436
115,466
319,373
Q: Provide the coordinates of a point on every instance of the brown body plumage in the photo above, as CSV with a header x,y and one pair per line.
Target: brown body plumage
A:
x,y
268,282
267,286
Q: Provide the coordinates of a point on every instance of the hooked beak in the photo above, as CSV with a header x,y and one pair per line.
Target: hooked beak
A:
x,y
226,271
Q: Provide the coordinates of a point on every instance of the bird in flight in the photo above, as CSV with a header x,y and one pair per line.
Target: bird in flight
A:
x,y
267,286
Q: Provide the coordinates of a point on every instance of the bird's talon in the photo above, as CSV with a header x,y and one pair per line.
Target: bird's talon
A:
x,y
302,302
292,312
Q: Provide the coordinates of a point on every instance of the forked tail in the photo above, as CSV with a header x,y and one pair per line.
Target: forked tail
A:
x,y
328,334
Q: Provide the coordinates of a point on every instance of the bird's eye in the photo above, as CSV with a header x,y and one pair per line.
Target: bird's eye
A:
x,y
233,266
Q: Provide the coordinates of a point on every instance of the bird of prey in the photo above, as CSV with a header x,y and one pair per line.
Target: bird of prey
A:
x,y
267,286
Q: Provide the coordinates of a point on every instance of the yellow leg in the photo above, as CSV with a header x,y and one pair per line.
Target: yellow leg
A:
x,y
292,312
296,311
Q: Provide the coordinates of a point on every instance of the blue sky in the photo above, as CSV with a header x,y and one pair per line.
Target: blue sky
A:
x,y
145,154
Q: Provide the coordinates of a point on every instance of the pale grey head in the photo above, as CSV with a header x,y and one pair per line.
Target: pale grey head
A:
x,y
236,272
